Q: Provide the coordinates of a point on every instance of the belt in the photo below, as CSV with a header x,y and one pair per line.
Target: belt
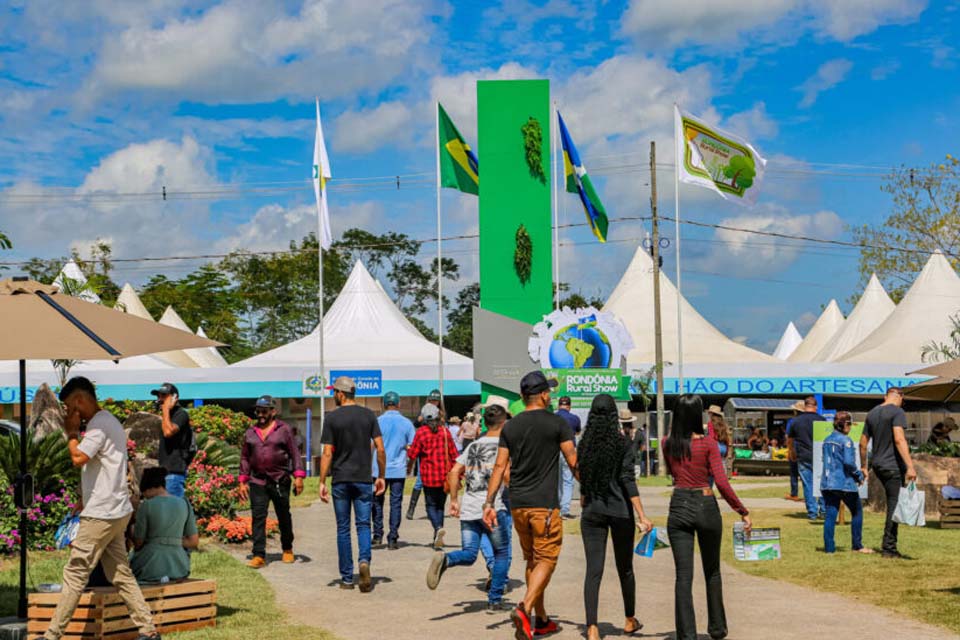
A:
x,y
698,491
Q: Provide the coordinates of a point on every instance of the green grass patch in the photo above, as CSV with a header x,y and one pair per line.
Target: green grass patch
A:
x,y
745,491
247,605
924,587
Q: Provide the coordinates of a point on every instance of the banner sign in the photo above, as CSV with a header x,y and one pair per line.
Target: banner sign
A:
x,y
586,383
313,384
820,432
579,339
369,381
761,544
783,386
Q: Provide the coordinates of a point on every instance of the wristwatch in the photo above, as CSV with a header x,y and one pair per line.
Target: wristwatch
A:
x,y
487,504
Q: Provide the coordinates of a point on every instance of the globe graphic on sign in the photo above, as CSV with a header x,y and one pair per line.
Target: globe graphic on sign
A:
x,y
580,346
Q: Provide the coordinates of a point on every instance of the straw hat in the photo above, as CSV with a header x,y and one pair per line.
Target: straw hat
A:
x,y
626,416
715,410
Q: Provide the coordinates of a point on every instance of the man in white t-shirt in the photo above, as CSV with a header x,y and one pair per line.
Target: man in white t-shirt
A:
x,y
476,464
102,454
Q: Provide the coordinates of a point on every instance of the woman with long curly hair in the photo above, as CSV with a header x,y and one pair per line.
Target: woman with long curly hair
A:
x,y
692,457
610,498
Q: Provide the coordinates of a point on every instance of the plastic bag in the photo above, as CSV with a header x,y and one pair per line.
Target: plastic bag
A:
x,y
650,542
910,506
67,531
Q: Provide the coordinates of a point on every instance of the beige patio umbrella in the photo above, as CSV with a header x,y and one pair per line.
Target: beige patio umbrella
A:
x,y
41,323
941,389
950,369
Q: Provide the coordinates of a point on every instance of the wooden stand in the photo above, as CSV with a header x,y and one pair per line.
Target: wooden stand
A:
x,y
101,612
949,514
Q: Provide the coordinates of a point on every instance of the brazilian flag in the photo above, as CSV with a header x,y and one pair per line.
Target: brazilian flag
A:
x,y
459,168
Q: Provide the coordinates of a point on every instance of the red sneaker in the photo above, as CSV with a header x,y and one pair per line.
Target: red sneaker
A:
x,y
549,627
522,623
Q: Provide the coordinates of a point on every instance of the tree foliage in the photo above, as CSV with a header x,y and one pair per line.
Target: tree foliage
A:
x,y
459,334
925,217
97,269
947,350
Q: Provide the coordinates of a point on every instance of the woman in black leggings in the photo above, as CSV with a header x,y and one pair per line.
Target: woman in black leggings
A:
x,y
609,496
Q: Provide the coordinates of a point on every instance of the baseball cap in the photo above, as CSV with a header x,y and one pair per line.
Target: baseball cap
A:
x,y
434,395
391,398
343,383
430,412
626,416
564,401
166,389
535,382
266,401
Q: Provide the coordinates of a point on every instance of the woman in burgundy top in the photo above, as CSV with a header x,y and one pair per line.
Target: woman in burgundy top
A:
x,y
693,458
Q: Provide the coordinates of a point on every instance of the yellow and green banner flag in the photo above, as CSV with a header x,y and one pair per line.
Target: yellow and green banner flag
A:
x,y
579,182
459,168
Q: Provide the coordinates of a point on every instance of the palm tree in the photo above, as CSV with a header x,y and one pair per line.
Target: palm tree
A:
x,y
935,351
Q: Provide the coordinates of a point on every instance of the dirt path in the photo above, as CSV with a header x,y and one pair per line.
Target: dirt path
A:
x,y
401,607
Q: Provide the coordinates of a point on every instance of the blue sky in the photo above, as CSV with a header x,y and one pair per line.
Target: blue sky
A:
x,y
105,98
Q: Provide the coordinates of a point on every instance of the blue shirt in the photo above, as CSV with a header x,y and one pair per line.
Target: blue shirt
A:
x,y
397,432
840,470
573,420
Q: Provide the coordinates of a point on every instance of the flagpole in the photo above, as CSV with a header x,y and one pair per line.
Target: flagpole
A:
x,y
676,222
439,270
554,128
322,372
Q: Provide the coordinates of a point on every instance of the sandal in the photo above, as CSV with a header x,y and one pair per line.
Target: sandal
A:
x,y
635,626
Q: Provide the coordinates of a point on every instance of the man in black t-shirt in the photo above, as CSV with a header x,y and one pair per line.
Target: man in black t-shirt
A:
x,y
178,445
347,436
800,440
531,444
890,461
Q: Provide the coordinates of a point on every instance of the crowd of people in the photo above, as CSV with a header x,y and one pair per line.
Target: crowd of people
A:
x,y
516,473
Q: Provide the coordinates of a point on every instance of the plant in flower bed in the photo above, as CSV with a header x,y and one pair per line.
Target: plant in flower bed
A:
x,y
43,518
123,409
220,422
236,529
211,489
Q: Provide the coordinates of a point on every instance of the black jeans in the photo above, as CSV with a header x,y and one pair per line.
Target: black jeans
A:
x,y
693,513
892,481
395,487
593,530
261,495
436,500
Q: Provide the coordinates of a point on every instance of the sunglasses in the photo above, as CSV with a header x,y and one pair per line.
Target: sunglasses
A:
x,y
261,412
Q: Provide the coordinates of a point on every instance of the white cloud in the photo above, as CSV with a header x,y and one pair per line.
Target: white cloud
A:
x,y
828,75
753,124
884,70
248,51
365,130
729,23
150,166
743,253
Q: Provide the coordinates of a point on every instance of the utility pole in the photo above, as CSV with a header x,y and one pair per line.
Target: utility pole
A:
x,y
657,330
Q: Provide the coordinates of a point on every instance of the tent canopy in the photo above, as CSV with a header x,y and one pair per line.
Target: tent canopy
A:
x,y
922,317
822,331
71,271
363,328
789,341
702,342
872,309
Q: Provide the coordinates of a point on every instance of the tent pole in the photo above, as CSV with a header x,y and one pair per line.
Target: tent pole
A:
x,y
22,596
439,274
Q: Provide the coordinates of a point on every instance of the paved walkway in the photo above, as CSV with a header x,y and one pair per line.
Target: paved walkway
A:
x,y
401,607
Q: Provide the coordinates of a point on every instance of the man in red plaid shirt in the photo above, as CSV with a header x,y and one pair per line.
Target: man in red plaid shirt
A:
x,y
435,448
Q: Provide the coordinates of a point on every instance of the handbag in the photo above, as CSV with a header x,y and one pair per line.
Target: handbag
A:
x,y
910,506
67,531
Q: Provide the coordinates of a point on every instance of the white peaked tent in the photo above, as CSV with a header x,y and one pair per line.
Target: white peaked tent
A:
x,y
921,317
171,318
822,331
872,309
208,357
71,271
129,302
789,342
631,302
364,328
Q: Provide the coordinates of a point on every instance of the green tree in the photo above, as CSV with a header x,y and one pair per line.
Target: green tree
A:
x,y
741,172
925,217
576,300
459,334
96,269
205,296
945,351
5,241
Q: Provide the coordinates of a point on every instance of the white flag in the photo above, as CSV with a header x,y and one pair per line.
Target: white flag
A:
x,y
321,173
717,160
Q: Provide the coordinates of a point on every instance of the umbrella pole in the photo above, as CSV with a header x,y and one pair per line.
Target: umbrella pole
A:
x,y
22,599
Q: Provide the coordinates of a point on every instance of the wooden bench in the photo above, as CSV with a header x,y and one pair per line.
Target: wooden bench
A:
x,y
101,613
949,514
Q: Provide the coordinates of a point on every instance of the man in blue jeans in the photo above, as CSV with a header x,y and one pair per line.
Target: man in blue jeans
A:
x,y
178,445
397,432
347,437
800,441
476,464
564,405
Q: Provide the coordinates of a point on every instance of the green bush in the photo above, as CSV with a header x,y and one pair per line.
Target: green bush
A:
x,y
123,409
48,459
218,453
43,518
220,423
946,450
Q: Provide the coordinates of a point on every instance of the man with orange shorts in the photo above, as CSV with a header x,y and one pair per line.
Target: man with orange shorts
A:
x,y
530,444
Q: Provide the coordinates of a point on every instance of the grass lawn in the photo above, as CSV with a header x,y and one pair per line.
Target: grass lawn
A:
x,y
925,587
745,491
247,605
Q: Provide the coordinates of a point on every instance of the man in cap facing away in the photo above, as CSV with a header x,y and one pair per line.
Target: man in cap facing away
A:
x,y
269,457
397,432
347,457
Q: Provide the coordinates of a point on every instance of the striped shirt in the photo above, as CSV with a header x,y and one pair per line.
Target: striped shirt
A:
x,y
695,472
